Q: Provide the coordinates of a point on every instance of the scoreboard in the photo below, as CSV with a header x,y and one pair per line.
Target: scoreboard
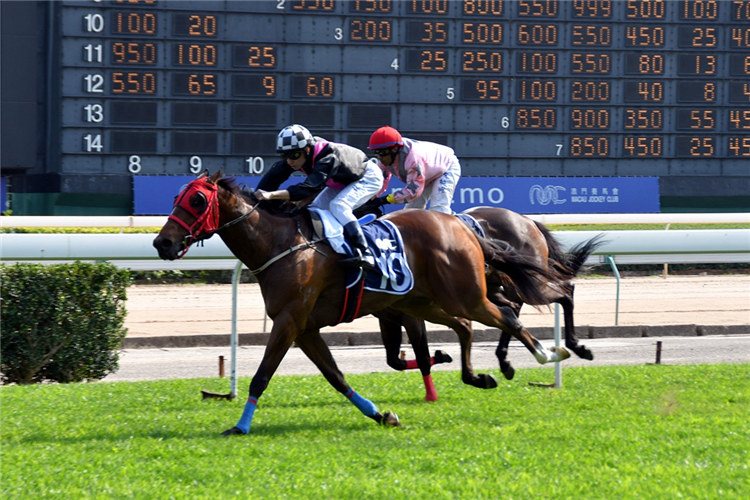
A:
x,y
523,87
162,86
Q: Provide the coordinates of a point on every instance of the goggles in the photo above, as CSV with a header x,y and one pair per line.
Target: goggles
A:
x,y
383,152
292,155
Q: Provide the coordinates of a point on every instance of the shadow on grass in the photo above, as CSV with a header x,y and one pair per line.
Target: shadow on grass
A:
x,y
288,429
331,421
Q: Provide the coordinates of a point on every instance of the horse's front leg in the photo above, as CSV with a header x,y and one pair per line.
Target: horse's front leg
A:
x,y
316,349
282,336
510,324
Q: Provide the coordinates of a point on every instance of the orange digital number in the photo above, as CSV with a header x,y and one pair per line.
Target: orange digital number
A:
x,y
261,57
202,84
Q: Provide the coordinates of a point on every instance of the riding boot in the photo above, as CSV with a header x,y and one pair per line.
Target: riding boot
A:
x,y
363,257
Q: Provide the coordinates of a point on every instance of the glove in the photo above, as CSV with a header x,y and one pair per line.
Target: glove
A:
x,y
377,202
371,207
390,199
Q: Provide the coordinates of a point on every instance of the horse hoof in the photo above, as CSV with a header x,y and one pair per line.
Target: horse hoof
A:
x,y
585,353
508,372
234,431
390,419
442,357
487,381
562,353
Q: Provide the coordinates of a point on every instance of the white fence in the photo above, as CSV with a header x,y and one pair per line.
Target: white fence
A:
x,y
135,251
159,221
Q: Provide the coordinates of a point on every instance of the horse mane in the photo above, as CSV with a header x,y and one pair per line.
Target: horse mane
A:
x,y
243,191
230,184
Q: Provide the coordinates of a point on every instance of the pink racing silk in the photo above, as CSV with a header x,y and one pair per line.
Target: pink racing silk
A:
x,y
423,164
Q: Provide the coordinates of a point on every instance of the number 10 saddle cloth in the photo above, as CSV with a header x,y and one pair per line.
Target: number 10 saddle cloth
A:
x,y
384,240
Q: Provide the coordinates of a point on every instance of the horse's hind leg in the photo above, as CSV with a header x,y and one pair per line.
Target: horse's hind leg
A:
x,y
391,322
466,336
502,356
496,297
571,339
316,349
416,330
465,333
390,332
562,293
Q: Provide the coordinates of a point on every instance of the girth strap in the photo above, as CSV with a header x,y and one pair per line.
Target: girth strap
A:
x,y
352,300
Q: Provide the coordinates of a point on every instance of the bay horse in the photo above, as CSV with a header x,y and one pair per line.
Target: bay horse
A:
x,y
303,282
528,237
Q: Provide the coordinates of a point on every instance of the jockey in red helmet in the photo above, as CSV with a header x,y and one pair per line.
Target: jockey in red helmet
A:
x,y
430,171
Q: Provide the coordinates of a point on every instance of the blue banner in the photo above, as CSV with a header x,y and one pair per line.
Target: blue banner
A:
x,y
560,195
154,195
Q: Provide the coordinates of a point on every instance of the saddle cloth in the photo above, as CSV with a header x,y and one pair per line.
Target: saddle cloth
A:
x,y
472,223
393,274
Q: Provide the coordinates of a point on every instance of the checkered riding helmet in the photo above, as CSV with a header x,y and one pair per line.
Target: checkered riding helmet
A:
x,y
293,137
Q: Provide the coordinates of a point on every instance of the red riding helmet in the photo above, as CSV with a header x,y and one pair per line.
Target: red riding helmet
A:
x,y
385,137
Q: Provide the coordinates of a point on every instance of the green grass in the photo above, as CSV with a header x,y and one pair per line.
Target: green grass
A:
x,y
609,433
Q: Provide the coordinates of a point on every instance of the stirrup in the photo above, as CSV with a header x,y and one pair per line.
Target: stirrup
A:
x,y
366,261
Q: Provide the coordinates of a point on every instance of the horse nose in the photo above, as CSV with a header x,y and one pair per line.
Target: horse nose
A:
x,y
162,245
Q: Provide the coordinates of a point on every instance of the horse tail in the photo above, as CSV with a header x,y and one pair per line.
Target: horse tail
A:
x,y
577,255
554,249
517,273
568,263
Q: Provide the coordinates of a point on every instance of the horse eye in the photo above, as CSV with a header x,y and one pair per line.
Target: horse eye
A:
x,y
198,202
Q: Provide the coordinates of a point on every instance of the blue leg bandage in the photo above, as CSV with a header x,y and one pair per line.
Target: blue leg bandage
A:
x,y
365,405
247,415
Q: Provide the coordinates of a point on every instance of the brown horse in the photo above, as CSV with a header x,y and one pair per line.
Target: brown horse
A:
x,y
303,283
530,238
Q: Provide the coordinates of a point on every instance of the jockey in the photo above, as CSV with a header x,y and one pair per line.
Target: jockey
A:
x,y
340,175
430,171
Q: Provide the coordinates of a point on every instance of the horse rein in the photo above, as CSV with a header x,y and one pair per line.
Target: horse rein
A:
x,y
290,250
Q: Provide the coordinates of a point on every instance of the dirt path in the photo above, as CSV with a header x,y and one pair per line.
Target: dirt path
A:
x,y
165,310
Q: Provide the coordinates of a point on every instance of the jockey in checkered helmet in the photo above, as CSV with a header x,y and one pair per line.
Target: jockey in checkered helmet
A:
x,y
340,177
293,138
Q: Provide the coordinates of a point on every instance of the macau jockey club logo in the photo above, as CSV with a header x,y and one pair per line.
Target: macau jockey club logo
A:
x,y
546,195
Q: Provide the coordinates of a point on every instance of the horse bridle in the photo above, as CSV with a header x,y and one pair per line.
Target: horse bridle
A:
x,y
207,222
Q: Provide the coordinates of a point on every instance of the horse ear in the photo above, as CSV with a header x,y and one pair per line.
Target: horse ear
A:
x,y
218,175
205,173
